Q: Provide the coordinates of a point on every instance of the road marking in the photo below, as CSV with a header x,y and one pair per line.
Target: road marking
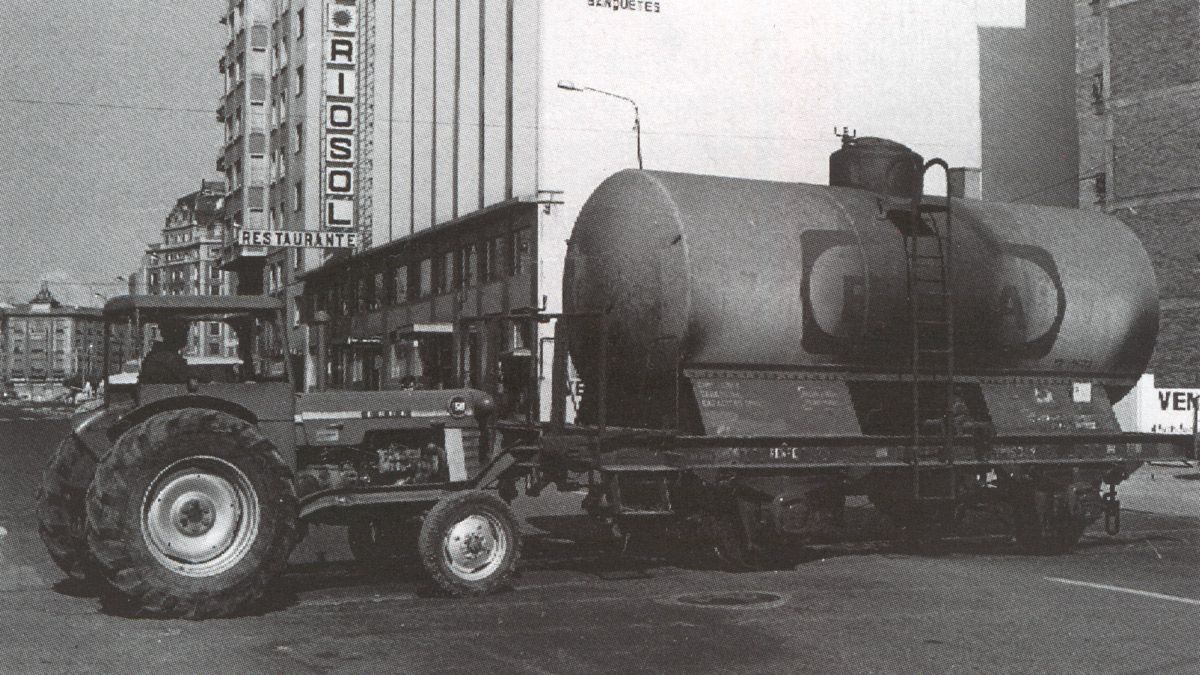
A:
x,y
1122,589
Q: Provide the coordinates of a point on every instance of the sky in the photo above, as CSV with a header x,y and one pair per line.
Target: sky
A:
x,y
83,187
86,186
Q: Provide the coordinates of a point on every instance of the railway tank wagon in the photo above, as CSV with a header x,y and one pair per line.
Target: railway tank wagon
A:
x,y
749,310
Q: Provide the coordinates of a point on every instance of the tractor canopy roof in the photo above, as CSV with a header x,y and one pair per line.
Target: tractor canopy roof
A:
x,y
191,307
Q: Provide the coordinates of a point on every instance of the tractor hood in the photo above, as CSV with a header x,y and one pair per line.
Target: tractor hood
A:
x,y
344,417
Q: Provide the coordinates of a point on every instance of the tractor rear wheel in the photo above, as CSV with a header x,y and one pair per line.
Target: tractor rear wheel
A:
x,y
62,512
192,514
470,543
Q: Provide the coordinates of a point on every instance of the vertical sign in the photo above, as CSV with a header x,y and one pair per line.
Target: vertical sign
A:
x,y
341,113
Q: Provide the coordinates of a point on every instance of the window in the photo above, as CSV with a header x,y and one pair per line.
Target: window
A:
x,y
300,23
439,275
299,80
426,284
298,195
400,279
522,250
299,140
449,261
414,282
214,328
377,297
494,255
470,265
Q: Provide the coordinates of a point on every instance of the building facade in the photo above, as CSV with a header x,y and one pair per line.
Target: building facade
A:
x,y
48,347
271,156
1137,92
482,127
188,262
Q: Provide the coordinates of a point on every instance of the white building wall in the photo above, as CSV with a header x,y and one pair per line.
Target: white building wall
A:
x,y
470,133
443,92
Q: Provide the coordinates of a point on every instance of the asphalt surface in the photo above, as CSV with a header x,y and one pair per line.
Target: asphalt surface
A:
x,y
1129,603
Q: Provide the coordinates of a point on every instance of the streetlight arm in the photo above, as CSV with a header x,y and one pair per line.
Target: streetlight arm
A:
x,y
637,115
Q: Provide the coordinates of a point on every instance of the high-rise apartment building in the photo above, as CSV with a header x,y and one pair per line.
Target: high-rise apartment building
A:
x,y
271,156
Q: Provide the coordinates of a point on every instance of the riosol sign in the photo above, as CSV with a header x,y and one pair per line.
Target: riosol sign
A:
x,y
298,238
341,114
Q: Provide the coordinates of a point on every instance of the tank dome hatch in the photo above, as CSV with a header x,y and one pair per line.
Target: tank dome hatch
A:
x,y
877,164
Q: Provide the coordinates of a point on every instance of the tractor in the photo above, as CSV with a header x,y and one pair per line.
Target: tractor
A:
x,y
187,498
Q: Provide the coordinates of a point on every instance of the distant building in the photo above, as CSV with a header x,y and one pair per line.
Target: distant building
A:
x,y
48,346
1137,93
187,262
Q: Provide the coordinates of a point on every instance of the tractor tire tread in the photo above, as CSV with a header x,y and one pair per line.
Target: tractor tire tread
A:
x,y
445,513
115,530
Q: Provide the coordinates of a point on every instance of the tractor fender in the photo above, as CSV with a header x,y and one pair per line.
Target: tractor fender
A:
x,y
91,427
174,403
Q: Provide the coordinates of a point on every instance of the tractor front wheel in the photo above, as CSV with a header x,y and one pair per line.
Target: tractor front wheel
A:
x,y
470,543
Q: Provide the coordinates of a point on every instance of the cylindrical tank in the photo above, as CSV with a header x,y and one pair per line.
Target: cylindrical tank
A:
x,y
878,165
753,274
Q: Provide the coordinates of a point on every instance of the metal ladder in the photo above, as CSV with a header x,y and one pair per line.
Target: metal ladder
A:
x,y
930,273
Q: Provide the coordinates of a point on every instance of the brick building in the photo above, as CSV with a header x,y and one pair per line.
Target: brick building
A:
x,y
1137,101
47,345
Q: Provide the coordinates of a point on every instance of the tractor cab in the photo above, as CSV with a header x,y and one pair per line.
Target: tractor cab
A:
x,y
231,348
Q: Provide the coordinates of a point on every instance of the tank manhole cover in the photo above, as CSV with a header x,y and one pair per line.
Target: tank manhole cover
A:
x,y
732,599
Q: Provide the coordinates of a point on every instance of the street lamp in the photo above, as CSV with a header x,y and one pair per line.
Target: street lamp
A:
x,y
637,119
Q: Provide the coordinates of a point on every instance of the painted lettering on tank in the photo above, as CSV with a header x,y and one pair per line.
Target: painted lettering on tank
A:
x,y
833,289
1027,304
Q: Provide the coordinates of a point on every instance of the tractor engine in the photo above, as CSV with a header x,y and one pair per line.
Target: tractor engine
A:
x,y
388,459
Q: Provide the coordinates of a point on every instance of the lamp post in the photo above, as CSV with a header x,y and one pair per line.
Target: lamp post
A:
x,y
637,119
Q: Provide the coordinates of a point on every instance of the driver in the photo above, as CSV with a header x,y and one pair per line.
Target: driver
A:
x,y
164,365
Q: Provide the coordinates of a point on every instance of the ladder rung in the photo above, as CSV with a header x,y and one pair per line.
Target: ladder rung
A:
x,y
938,322
934,351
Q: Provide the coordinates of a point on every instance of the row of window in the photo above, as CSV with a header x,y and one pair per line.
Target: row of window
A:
x,y
472,264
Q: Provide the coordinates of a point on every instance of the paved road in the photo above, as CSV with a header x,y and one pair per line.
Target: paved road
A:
x,y
1124,604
